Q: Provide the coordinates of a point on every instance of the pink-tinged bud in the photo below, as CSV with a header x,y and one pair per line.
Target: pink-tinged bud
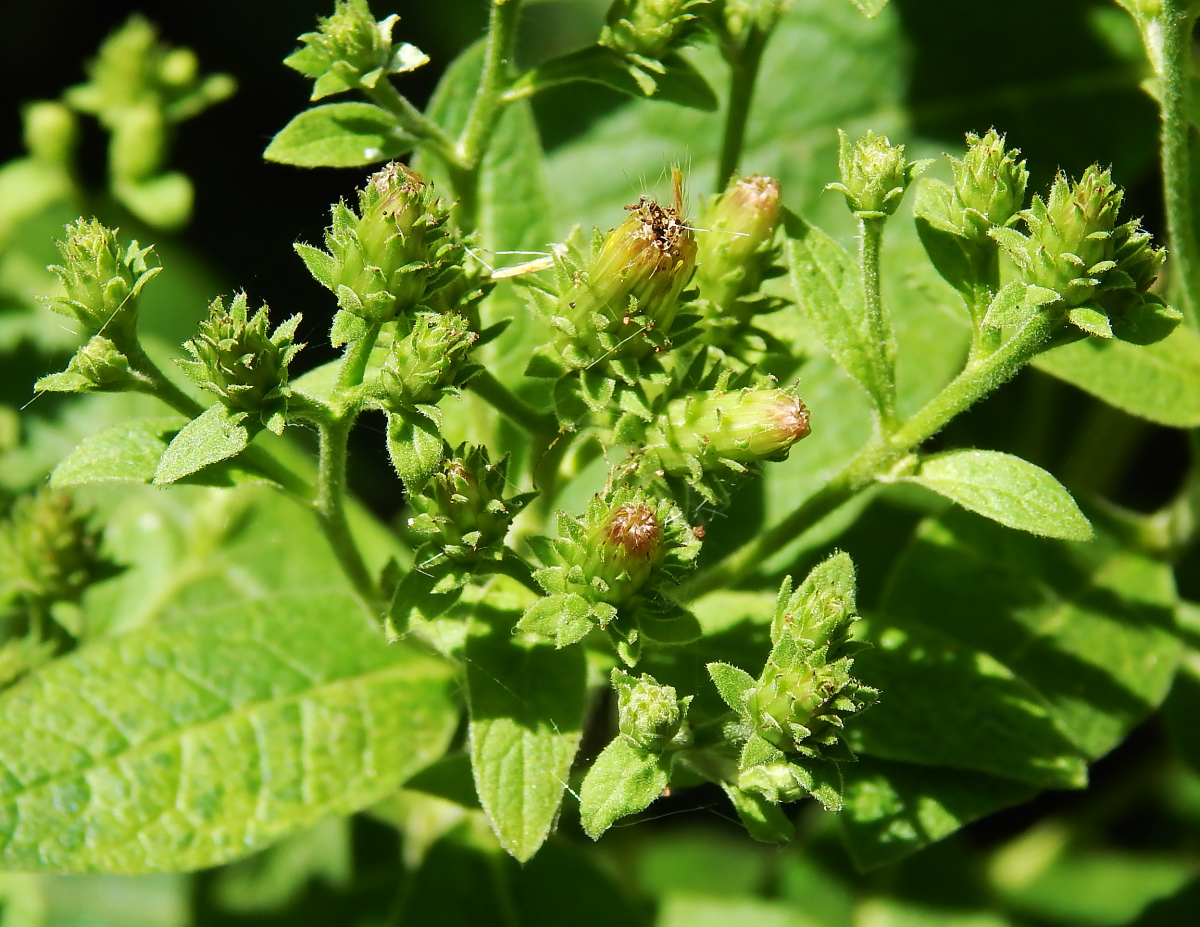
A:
x,y
627,548
742,425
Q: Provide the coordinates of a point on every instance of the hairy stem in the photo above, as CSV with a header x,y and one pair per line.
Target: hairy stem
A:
x,y
743,74
879,324
503,400
880,455
331,511
1175,81
416,123
502,29
354,361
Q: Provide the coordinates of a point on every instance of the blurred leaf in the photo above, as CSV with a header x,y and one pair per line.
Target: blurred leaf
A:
x,y
526,703
128,452
1090,627
339,135
690,911
196,741
1159,382
870,7
946,704
1007,490
463,878
894,809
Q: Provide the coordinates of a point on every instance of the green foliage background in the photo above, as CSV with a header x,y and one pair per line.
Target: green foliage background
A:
x,y
1077,644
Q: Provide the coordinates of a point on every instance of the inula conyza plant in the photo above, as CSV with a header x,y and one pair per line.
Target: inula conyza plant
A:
x,y
664,495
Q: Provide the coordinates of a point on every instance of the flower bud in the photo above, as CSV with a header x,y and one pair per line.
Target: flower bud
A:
x,y
627,547
101,280
350,49
47,551
391,257
743,426
427,362
51,132
780,782
236,358
462,508
739,19
740,226
989,183
648,714
1071,243
641,269
103,365
650,28
875,174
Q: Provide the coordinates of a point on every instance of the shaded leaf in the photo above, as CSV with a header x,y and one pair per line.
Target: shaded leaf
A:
x,y
765,820
415,446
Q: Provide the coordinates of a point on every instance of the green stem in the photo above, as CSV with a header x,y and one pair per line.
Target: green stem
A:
x,y
331,510
880,455
386,96
879,324
354,362
502,29
743,74
504,401
1175,82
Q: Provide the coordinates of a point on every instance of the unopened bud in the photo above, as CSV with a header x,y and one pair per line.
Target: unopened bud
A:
x,y
650,28
238,358
627,548
780,782
103,365
391,257
989,184
101,279
427,362
462,507
742,425
51,132
648,714
875,174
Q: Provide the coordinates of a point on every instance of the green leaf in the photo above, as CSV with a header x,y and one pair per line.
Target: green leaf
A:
x,y
870,7
944,703
414,597
124,453
215,435
1007,490
526,703
894,809
415,446
340,135
1159,382
623,780
678,82
765,820
732,683
1089,627
193,742
829,290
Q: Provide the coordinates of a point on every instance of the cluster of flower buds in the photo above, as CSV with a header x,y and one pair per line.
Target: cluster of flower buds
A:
x,y
717,432
793,715
650,28
1075,249
350,49
236,356
48,552
619,305
391,257
462,509
875,174
608,570
101,280
425,364
650,715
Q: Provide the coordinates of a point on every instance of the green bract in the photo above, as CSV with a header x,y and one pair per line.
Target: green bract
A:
x,y
236,356
351,50
874,173
101,280
650,715
649,28
393,255
429,361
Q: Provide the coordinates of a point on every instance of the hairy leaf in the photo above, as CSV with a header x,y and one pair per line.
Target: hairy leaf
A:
x,y
1006,489
198,741
215,435
526,704
124,453
623,780
339,135
415,446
